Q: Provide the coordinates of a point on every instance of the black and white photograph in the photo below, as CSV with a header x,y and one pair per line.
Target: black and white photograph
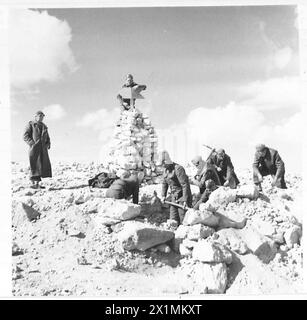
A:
x,y
156,151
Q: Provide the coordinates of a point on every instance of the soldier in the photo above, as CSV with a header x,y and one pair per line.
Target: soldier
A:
x,y
268,162
204,197
126,186
37,137
205,171
225,169
126,101
175,177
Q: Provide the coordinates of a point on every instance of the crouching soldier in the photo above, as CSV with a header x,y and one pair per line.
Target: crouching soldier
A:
x,y
175,177
205,171
267,161
225,169
204,197
126,186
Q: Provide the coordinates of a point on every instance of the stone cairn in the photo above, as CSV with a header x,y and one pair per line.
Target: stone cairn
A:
x,y
134,146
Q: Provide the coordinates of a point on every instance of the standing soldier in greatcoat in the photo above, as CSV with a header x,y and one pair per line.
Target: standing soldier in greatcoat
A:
x,y
37,137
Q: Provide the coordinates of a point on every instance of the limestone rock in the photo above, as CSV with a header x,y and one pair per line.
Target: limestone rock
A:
x,y
261,246
293,235
181,232
140,236
230,238
204,217
118,209
199,231
184,251
212,277
264,228
248,191
24,213
221,197
211,252
190,244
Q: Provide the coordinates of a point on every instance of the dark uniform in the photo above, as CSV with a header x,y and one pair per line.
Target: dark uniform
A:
x,y
208,172
227,172
269,164
124,188
37,137
125,102
179,185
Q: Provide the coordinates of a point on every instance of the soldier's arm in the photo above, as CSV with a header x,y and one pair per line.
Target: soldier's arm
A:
x,y
279,164
230,169
184,182
164,187
256,163
27,135
136,194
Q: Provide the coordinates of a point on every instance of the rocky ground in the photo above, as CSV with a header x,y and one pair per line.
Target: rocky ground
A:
x,y
62,245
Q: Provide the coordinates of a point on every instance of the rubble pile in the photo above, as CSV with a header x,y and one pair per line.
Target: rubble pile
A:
x,y
134,146
69,239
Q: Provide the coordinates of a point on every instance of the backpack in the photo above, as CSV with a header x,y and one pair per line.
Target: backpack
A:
x,y
102,180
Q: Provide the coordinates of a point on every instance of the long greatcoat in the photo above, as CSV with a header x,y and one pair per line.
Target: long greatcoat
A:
x,y
37,137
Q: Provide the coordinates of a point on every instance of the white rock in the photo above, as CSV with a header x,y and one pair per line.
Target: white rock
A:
x,y
204,217
199,231
248,191
211,252
184,251
119,209
221,197
140,236
181,232
190,244
230,238
261,246
24,213
212,277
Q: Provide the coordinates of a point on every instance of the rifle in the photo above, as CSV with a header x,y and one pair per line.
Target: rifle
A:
x,y
212,151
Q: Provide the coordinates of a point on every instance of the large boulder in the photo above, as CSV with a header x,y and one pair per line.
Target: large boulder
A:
x,y
220,198
261,246
248,191
211,252
293,235
206,218
231,238
211,277
199,231
112,211
141,236
24,213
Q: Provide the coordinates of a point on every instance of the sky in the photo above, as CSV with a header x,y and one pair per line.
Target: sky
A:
x,y
222,76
